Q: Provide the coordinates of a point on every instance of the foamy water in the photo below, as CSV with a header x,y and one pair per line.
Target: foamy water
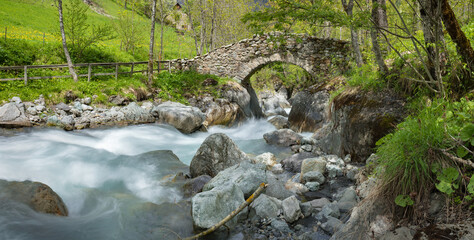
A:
x,y
105,177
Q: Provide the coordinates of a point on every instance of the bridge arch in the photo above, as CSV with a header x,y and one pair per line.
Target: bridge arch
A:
x,y
241,59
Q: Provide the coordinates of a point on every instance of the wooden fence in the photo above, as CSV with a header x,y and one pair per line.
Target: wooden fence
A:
x,y
89,66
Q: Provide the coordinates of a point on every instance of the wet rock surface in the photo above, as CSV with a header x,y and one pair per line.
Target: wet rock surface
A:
x,y
35,195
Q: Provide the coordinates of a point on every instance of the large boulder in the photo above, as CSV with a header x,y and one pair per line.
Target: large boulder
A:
x,y
283,137
246,176
244,95
266,206
291,209
294,162
317,164
184,118
195,185
210,207
216,153
35,195
358,120
367,219
136,114
309,111
223,112
12,115
273,103
280,122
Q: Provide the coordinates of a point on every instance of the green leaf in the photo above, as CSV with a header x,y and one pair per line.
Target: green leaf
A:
x,y
403,200
470,186
448,175
444,187
461,152
467,133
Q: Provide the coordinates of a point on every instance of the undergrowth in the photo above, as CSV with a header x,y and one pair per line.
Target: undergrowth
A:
x,y
414,156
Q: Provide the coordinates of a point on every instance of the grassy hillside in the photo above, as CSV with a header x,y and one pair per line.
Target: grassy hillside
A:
x,y
29,21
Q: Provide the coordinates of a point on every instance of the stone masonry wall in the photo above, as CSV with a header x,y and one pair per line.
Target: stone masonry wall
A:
x,y
240,60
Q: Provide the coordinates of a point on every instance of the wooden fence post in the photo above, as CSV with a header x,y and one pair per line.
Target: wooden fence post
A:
x,y
116,71
169,66
26,75
131,70
89,72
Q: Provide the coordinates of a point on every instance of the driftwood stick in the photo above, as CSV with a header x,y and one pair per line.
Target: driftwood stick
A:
x,y
232,214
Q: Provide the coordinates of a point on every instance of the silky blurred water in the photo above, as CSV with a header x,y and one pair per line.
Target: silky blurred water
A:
x,y
110,179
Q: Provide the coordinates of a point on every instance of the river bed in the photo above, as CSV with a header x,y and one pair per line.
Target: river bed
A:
x,y
112,180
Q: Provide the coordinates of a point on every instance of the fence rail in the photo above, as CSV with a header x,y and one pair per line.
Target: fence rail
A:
x,y
89,66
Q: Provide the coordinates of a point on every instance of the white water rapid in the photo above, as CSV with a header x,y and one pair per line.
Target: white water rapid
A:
x,y
111,180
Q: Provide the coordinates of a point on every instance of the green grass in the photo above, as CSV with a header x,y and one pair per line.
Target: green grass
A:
x,y
29,19
54,89
411,155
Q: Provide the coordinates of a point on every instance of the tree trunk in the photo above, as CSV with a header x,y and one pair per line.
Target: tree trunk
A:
x,y
203,27
354,36
162,20
63,36
463,46
152,43
188,9
379,17
213,25
432,32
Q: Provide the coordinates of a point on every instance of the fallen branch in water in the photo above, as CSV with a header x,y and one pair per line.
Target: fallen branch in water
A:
x,y
232,214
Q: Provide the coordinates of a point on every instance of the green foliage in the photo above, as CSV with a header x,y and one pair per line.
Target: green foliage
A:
x,y
80,34
365,77
16,52
178,86
409,155
403,201
53,89
447,180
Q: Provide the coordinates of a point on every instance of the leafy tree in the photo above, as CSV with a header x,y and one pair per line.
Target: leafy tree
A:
x,y
63,36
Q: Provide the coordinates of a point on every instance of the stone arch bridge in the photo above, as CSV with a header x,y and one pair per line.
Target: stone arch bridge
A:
x,y
241,59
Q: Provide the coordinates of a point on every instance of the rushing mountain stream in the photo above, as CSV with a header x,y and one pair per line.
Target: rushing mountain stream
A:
x,y
115,182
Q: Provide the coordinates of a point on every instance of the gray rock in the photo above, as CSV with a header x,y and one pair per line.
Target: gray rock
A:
x,y
35,195
245,175
279,122
67,122
276,188
266,207
62,106
266,158
134,113
348,200
53,121
118,100
86,107
16,100
309,111
283,137
306,148
314,164
280,226
360,224
12,116
314,176
78,106
40,108
352,172
184,118
319,203
327,211
147,105
291,209
210,207
277,169
312,186
31,110
332,225
334,170
195,185
296,188
87,100
215,154
294,162
306,209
